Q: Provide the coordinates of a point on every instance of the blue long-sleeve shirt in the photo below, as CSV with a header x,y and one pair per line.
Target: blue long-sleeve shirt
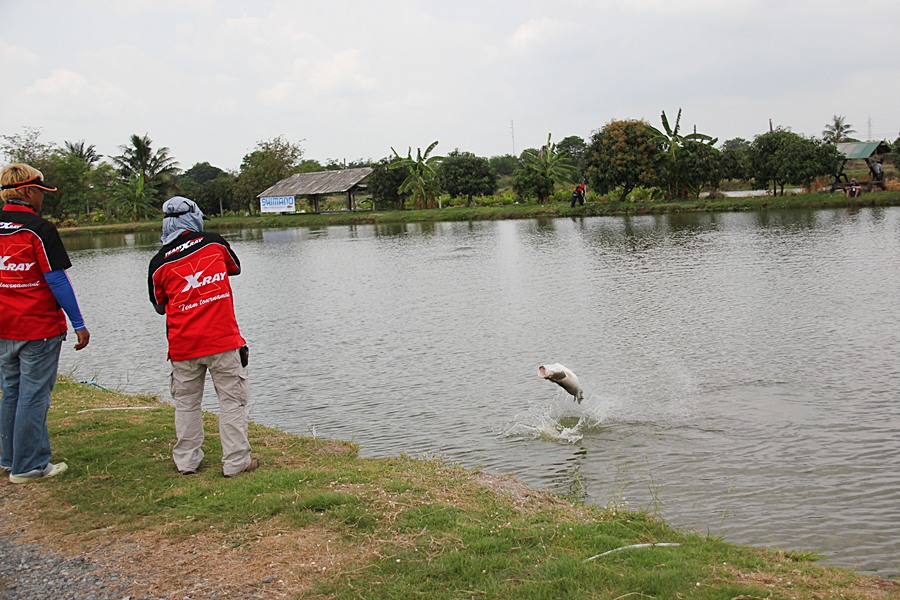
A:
x,y
65,295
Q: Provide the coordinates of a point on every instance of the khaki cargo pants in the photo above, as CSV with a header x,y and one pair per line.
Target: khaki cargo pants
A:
x,y
233,391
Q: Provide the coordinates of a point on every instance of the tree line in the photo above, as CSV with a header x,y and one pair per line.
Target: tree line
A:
x,y
621,157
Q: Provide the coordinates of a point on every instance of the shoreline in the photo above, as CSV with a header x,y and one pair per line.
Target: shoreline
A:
x,y
820,200
318,521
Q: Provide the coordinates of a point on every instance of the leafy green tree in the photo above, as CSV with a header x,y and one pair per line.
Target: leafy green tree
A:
x,y
384,184
575,148
421,175
543,169
671,142
270,162
26,147
339,165
622,155
736,159
464,174
838,131
700,166
103,183
781,157
156,170
309,165
71,174
505,165
529,184
202,172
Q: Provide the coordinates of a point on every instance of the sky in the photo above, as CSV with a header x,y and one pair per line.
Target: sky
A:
x,y
350,79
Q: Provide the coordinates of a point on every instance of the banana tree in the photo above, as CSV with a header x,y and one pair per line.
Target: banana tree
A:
x,y
421,180
671,143
549,166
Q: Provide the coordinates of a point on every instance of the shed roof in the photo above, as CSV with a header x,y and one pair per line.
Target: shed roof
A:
x,y
862,149
320,182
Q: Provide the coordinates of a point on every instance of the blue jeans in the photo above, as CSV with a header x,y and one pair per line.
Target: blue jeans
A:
x,y
27,375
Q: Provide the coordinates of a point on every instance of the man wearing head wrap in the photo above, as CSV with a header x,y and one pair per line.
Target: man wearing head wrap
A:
x,y
189,283
34,293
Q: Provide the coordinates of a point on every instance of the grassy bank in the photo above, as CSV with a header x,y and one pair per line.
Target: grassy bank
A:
x,y
317,521
521,211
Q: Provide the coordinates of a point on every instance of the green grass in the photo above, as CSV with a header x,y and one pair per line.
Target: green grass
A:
x,y
408,528
520,211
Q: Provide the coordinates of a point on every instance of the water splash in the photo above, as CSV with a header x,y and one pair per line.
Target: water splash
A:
x,y
561,421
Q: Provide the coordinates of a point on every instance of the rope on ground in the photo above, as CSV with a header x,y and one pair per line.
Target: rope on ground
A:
x,y
116,408
661,544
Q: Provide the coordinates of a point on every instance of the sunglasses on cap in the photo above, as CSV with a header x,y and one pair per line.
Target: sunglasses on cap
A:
x,y
191,208
37,182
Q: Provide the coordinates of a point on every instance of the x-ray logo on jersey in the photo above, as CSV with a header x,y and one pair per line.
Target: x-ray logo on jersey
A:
x,y
194,281
8,266
202,277
14,263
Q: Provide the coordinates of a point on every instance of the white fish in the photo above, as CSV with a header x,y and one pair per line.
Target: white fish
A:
x,y
564,378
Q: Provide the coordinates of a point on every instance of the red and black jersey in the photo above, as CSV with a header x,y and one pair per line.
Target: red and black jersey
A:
x,y
189,276
29,247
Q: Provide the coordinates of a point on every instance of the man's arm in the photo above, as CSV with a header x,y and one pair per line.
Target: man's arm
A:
x,y
151,287
65,296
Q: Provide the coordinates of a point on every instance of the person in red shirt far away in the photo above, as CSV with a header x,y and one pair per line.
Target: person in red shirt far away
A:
x,y
34,293
578,194
189,283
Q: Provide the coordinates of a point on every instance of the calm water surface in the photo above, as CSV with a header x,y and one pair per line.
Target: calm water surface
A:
x,y
741,370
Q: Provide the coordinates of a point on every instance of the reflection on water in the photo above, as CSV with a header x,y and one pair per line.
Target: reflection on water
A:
x,y
739,369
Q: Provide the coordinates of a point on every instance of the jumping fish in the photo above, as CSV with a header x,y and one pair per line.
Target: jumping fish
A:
x,y
564,378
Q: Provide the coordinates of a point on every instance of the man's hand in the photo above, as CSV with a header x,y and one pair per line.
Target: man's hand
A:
x,y
84,337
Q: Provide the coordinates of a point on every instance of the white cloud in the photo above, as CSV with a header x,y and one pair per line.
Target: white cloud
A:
x,y
544,33
210,78
14,58
341,73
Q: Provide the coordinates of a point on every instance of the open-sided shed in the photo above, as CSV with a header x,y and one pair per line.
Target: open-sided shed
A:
x,y
318,184
870,152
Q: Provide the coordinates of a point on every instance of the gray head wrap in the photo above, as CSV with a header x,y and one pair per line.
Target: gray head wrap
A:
x,y
180,214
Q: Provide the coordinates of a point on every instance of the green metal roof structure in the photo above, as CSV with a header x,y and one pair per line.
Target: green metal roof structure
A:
x,y
857,150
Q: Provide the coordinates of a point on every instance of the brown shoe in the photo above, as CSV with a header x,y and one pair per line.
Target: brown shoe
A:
x,y
254,465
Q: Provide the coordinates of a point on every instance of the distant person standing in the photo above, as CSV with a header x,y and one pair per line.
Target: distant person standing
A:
x,y
878,170
578,195
189,283
34,293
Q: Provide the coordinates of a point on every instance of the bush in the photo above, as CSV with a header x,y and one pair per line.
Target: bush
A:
x,y
892,185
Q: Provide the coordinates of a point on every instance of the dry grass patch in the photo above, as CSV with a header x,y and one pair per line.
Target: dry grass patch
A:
x,y
263,560
785,580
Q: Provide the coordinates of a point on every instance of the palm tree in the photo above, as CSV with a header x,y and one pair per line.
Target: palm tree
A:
x,y
549,166
156,169
87,153
422,178
838,131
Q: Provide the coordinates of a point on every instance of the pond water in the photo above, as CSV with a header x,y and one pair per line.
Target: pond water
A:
x,y
740,370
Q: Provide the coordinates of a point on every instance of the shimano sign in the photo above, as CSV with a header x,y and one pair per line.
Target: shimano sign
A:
x,y
277,204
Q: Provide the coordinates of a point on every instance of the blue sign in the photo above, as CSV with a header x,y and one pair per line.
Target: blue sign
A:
x,y
277,204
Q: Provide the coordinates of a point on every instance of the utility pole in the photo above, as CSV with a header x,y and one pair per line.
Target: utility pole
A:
x,y
869,131
512,132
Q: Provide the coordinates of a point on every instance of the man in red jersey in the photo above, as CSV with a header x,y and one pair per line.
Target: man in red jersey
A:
x,y
34,293
189,283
